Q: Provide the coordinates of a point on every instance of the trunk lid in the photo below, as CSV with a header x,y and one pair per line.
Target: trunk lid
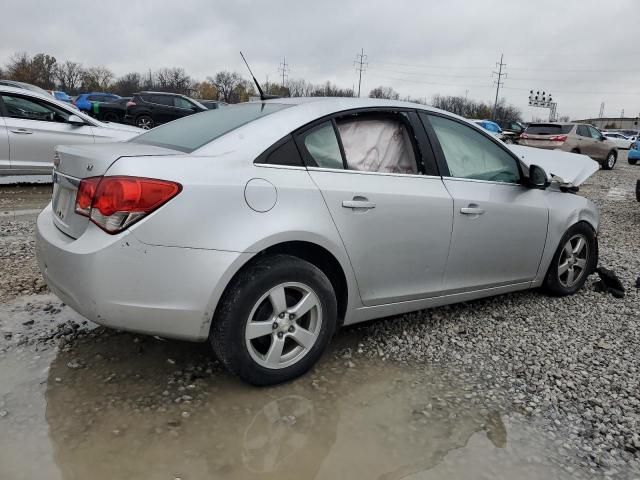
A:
x,y
75,162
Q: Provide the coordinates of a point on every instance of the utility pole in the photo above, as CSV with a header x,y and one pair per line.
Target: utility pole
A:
x,y
499,82
361,65
283,69
601,114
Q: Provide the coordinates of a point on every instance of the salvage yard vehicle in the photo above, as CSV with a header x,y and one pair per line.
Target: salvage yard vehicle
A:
x,y
619,140
634,153
32,124
148,109
265,226
572,137
85,101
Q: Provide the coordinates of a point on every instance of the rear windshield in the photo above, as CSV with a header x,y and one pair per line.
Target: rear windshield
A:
x,y
192,132
548,129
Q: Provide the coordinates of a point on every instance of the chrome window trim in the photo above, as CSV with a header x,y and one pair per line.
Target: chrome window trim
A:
x,y
275,165
476,180
362,172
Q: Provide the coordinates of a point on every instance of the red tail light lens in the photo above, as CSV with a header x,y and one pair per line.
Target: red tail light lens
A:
x,y
131,103
115,203
557,138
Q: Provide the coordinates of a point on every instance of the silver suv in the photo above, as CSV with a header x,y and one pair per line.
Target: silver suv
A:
x,y
572,137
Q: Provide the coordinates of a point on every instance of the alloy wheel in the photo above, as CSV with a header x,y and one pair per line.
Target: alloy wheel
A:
x,y
611,160
283,325
572,263
144,123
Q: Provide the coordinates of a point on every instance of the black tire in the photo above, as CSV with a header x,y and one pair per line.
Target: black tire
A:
x,y
244,292
552,282
111,117
632,161
610,161
575,150
145,122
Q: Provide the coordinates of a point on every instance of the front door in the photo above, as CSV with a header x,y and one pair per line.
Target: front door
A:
x,y
35,127
394,220
499,225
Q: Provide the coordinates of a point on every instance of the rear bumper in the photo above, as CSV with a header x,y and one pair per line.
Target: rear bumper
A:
x,y
120,282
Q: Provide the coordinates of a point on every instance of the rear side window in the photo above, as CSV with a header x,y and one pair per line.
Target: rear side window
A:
x,y
194,131
283,152
322,147
548,129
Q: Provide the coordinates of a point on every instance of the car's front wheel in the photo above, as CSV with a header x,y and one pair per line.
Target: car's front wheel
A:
x,y
274,321
145,122
610,161
573,262
632,161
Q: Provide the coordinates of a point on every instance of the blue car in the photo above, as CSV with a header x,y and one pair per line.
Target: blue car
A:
x,y
62,96
490,126
85,100
634,153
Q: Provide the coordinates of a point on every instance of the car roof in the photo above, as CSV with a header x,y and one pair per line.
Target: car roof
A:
x,y
148,92
275,126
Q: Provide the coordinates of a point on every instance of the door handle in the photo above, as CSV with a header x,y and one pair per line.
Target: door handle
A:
x,y
472,210
22,131
363,204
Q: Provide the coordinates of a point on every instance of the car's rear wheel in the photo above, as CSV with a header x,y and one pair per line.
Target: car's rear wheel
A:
x,y
610,161
145,122
274,320
573,262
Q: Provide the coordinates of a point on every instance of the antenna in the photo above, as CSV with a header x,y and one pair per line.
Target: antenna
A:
x,y
263,96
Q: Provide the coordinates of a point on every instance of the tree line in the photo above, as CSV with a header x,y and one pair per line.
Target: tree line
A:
x,y
47,72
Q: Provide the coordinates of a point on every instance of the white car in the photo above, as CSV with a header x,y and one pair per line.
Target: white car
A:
x,y
619,140
32,124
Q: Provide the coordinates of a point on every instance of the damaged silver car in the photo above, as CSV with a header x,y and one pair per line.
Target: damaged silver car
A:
x,y
263,227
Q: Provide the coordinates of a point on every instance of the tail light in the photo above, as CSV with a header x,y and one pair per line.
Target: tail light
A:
x,y
131,103
116,203
557,138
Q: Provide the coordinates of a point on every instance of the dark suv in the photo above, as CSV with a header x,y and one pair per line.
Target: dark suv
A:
x,y
148,109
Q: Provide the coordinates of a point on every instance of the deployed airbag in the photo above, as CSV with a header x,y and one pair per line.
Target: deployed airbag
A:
x,y
377,145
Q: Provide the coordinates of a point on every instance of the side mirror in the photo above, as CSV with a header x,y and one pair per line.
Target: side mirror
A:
x,y
194,108
537,178
76,121
602,138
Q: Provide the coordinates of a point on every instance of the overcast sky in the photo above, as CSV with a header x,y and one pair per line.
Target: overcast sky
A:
x,y
582,51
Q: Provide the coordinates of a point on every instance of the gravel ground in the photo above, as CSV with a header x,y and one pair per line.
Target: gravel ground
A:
x,y
569,364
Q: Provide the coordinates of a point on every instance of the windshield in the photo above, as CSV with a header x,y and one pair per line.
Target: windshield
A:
x,y
548,129
192,132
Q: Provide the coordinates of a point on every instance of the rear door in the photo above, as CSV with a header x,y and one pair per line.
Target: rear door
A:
x,y
499,225
380,183
35,127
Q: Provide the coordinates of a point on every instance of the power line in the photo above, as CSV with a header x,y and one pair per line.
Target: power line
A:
x,y
498,82
284,69
361,65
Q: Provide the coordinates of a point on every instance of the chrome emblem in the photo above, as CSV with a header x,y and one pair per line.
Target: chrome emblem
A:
x,y
90,167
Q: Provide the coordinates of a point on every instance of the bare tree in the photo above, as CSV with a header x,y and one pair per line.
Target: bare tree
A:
x,y
173,80
69,76
97,78
226,83
127,84
384,92
564,118
473,109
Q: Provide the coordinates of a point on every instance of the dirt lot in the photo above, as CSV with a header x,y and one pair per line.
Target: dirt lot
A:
x,y
518,386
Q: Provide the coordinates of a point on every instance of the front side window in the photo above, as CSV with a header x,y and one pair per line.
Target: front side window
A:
x,y
377,144
583,131
595,133
33,109
469,154
322,147
162,100
182,103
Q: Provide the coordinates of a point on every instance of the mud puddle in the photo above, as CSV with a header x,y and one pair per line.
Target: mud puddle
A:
x,y
107,405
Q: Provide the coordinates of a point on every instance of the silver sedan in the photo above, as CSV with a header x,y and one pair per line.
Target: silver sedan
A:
x,y
263,227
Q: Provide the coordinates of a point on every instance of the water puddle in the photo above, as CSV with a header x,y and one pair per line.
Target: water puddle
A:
x,y
111,405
